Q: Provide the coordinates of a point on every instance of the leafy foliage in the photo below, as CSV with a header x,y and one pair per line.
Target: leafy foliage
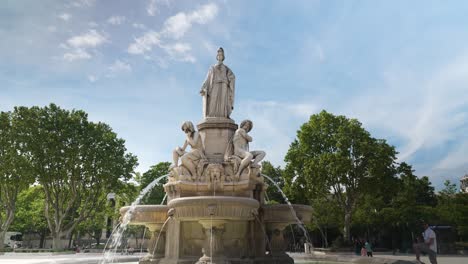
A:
x,y
157,194
75,161
335,153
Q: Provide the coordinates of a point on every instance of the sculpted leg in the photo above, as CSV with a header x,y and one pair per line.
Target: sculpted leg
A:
x,y
258,156
244,163
190,165
175,158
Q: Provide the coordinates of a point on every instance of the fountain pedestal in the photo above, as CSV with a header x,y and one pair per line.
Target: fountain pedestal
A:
x,y
213,248
216,192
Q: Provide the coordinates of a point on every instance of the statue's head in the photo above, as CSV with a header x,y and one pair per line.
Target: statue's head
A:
x,y
187,126
246,125
220,56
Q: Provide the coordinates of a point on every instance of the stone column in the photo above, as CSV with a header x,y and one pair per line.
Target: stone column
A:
x,y
155,247
216,133
278,245
213,247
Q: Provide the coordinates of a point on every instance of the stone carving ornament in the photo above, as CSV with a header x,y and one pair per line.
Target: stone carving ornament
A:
x,y
194,160
218,89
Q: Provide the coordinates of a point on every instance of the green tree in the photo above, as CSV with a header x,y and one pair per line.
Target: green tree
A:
x,y
156,195
75,161
336,153
30,217
15,170
276,174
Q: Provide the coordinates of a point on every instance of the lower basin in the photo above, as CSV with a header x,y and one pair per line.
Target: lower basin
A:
x,y
146,214
214,207
283,213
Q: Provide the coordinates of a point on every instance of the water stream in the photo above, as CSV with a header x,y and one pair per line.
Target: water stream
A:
x,y
264,233
293,212
143,239
164,199
159,235
116,237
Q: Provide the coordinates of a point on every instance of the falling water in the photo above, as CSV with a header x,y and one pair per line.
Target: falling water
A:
x,y
211,239
143,239
264,233
299,222
164,199
116,238
159,235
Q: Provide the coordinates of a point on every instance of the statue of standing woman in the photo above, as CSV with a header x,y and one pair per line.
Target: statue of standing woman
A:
x,y
218,90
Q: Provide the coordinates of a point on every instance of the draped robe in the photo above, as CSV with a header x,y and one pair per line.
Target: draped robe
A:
x,y
219,86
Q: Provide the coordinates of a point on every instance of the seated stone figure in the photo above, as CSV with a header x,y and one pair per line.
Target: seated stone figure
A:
x,y
240,145
194,160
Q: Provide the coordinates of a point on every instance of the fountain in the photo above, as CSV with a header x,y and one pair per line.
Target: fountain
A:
x,y
216,211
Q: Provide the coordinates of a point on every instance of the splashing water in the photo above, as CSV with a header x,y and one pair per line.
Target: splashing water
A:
x,y
116,237
164,199
299,222
159,235
264,233
143,238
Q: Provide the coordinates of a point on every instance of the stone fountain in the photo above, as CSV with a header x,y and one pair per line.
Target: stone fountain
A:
x,y
216,211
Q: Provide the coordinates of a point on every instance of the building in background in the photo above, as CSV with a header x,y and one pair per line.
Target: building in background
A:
x,y
464,184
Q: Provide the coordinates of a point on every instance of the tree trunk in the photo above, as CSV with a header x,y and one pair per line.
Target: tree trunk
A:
x,y
347,226
43,235
56,240
2,238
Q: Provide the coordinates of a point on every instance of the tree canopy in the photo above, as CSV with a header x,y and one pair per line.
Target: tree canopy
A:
x,y
334,154
75,161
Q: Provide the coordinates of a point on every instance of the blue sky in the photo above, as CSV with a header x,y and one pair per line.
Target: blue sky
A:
x,y
400,67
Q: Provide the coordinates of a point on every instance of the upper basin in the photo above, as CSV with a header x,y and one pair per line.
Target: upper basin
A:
x,y
147,214
282,213
214,207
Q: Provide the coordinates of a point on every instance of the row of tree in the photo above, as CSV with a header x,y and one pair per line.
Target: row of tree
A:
x,y
355,185
57,167
72,162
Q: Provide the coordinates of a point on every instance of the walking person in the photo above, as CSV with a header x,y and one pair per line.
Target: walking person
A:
x,y
368,247
428,245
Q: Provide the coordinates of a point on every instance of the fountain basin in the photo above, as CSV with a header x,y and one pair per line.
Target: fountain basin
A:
x,y
216,207
281,213
147,214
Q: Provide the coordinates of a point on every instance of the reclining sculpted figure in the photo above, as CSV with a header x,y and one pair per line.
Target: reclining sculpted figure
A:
x,y
194,160
240,143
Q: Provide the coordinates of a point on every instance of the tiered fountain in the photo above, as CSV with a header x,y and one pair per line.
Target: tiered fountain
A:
x,y
216,211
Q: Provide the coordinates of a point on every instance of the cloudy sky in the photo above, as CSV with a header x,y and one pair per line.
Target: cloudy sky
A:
x,y
400,67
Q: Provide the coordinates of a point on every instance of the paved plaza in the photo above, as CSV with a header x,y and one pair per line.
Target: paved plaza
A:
x,y
48,258
93,258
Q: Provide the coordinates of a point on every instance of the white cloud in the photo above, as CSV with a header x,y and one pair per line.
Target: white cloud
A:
x,y
119,66
65,16
84,3
92,78
153,6
177,25
93,24
78,46
180,52
144,43
455,158
78,54
139,26
116,20
90,39
151,9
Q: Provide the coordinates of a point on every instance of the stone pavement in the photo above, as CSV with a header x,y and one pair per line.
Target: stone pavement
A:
x,y
48,258
379,258
441,259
